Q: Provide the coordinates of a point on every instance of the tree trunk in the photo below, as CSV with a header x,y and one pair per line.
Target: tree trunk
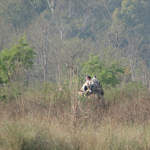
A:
x,y
132,72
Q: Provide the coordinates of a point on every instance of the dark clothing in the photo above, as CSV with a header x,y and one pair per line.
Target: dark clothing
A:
x,y
85,88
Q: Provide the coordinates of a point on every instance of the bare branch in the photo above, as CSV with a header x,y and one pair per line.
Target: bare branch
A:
x,y
50,6
107,8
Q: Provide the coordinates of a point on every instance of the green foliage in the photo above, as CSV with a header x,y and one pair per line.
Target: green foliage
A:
x,y
117,24
126,92
19,56
106,75
11,92
134,14
21,13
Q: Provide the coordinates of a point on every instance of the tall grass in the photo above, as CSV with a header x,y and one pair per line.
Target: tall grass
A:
x,y
32,134
52,118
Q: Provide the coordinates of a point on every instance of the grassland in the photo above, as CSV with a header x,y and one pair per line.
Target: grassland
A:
x,y
49,118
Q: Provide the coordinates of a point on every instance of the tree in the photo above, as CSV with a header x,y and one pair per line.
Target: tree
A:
x,y
19,57
135,16
118,30
21,13
106,75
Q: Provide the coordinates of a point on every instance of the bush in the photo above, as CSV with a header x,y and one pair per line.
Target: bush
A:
x,y
125,92
107,74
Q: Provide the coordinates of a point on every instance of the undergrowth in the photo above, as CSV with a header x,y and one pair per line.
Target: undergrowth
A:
x,y
49,117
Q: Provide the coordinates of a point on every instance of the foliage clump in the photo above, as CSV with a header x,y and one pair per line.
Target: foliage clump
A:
x,y
12,61
108,75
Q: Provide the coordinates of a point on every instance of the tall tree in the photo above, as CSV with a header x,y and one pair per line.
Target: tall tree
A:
x,y
16,59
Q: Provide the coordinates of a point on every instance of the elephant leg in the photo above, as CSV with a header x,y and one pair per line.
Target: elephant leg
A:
x,y
103,100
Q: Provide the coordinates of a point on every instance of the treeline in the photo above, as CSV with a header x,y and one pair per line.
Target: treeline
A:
x,y
65,33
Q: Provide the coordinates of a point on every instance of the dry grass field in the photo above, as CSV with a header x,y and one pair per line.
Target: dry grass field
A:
x,y
48,119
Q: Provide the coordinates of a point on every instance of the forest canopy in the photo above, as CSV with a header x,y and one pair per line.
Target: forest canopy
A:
x,y
65,33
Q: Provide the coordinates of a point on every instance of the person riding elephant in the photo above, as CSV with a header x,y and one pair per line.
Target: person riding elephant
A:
x,y
88,85
92,88
97,86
